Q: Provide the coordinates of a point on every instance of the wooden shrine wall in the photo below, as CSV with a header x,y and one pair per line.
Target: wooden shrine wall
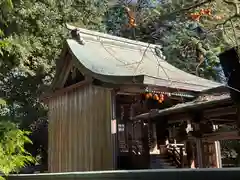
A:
x,y
80,130
209,155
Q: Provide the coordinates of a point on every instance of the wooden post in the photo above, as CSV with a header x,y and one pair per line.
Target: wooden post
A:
x,y
238,117
199,147
145,143
218,154
181,157
154,150
114,131
199,152
189,147
217,151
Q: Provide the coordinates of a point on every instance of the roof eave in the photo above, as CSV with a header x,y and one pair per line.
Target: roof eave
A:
x,y
190,107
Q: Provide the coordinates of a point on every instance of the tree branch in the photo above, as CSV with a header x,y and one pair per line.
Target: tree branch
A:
x,y
193,6
234,3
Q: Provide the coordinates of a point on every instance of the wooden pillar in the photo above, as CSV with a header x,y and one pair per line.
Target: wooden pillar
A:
x,y
217,151
190,146
199,147
238,117
181,157
199,152
196,119
145,143
190,150
218,154
114,130
154,149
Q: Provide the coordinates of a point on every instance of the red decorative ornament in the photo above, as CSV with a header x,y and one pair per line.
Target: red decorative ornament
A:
x,y
131,18
156,96
203,12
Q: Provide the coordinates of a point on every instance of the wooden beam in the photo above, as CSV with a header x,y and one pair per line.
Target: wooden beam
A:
x,y
133,89
179,117
221,136
224,120
47,97
217,112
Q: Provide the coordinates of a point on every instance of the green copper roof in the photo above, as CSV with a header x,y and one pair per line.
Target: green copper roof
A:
x,y
122,61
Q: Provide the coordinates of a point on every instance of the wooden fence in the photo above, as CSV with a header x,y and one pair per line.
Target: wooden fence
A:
x,y
171,174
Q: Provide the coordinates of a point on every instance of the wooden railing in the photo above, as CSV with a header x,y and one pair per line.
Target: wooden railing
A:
x,y
171,174
176,152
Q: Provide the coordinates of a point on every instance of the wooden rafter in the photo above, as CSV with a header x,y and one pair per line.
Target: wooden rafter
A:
x,y
222,111
221,136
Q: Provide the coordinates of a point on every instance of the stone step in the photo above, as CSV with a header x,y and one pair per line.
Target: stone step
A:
x,y
161,162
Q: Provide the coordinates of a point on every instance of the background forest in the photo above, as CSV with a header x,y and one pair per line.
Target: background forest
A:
x,y
191,32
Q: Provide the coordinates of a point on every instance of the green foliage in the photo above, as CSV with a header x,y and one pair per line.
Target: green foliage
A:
x,y
5,7
179,34
12,153
33,33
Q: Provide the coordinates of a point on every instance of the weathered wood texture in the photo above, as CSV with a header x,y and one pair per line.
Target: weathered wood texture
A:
x,y
180,174
80,130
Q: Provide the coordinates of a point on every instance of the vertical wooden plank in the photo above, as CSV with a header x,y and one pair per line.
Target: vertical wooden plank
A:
x,y
104,123
79,138
50,142
54,135
62,132
64,135
113,137
93,101
90,129
70,125
84,129
73,130
57,139
51,130
100,132
111,162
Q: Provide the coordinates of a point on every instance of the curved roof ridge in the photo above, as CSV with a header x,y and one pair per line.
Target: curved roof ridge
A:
x,y
96,36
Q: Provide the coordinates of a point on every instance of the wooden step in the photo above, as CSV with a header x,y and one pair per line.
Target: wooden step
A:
x,y
161,162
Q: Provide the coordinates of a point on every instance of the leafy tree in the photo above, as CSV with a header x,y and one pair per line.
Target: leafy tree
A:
x,y
35,32
13,156
5,7
190,44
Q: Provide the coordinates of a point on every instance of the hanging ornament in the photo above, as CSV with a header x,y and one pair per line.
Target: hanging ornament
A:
x,y
218,17
147,95
203,12
131,18
159,97
208,12
195,16
156,97
150,95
